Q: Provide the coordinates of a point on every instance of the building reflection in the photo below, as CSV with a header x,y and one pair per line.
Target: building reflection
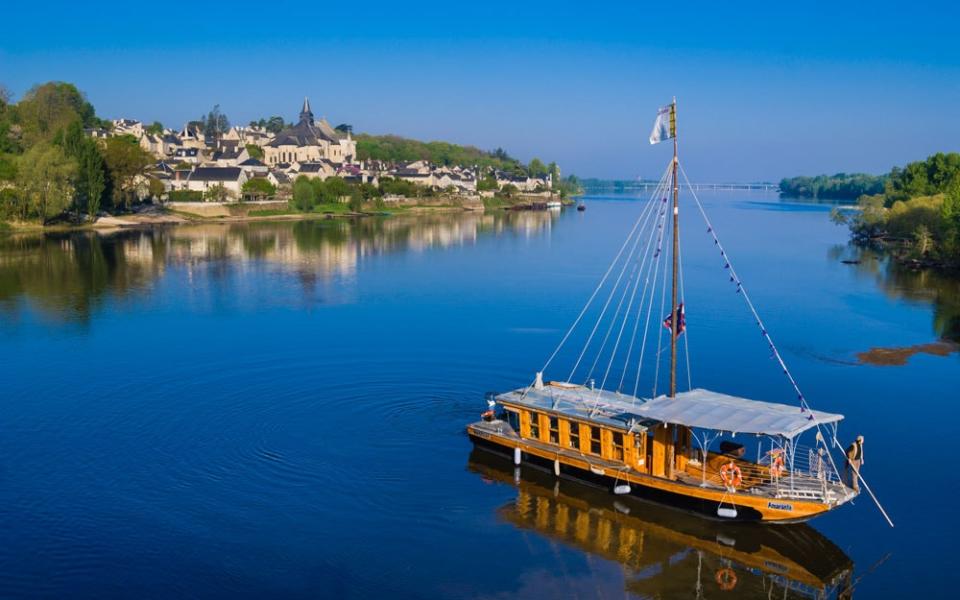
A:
x,y
668,554
66,275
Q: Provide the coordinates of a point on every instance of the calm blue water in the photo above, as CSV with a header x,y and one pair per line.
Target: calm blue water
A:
x,y
277,409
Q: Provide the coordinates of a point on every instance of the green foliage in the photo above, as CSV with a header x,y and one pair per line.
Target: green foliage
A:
x,y
258,188
44,182
254,151
48,109
923,178
356,200
487,184
124,160
537,168
397,187
217,193
90,182
155,128
508,191
273,124
8,168
9,205
398,149
185,196
920,207
567,187
304,196
841,186
215,124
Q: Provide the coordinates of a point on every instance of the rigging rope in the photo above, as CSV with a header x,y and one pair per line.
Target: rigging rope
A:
x,y
606,305
597,289
804,406
646,326
643,294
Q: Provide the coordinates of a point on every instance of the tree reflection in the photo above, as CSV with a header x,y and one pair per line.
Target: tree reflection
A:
x,y
938,289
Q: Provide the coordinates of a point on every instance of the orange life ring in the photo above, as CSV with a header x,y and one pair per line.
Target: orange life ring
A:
x,y
731,475
726,579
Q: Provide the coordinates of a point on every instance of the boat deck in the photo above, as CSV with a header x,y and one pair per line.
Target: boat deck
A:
x,y
757,480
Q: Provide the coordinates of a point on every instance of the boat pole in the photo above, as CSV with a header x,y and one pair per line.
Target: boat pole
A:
x,y
674,322
866,487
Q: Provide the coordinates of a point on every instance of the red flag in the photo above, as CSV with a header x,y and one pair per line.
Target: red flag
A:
x,y
668,322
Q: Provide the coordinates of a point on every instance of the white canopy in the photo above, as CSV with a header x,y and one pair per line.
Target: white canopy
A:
x,y
711,410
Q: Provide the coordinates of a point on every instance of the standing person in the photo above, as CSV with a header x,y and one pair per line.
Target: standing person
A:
x,y
854,462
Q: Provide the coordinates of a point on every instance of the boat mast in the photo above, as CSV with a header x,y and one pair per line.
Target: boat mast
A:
x,y
674,321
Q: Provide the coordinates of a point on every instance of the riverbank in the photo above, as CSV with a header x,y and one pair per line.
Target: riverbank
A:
x,y
180,213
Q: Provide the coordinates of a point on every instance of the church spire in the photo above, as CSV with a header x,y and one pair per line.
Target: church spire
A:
x,y
305,113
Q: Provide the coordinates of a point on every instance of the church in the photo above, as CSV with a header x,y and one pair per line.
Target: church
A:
x,y
310,141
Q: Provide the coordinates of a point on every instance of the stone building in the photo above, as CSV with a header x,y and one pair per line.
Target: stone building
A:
x,y
310,141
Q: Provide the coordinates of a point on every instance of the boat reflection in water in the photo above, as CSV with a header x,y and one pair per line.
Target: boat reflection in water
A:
x,y
668,554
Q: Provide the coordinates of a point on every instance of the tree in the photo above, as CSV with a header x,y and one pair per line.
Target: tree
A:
x,y
155,188
273,124
303,195
254,151
90,180
216,123
356,200
44,178
488,183
536,168
344,128
217,193
335,188
155,128
125,161
47,109
4,97
258,188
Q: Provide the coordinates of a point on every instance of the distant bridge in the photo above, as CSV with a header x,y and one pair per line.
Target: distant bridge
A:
x,y
760,187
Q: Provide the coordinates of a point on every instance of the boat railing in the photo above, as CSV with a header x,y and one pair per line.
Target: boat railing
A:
x,y
808,476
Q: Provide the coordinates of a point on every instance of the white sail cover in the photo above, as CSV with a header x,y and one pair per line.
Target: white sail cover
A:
x,y
711,410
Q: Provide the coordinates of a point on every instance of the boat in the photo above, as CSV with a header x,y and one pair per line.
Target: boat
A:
x,y
715,454
667,556
554,204
581,207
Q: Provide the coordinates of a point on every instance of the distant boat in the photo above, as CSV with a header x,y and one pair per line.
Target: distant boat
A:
x,y
554,204
581,207
662,447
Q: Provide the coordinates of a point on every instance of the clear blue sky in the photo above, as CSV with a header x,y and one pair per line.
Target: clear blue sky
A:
x,y
764,90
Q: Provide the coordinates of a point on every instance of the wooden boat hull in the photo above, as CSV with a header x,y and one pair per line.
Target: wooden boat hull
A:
x,y
681,496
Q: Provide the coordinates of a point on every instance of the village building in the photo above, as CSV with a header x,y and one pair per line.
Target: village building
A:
x,y
254,167
310,141
319,169
127,127
201,179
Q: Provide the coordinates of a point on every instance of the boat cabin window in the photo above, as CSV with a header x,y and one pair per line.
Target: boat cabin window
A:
x,y
617,445
574,439
513,419
554,430
535,425
595,446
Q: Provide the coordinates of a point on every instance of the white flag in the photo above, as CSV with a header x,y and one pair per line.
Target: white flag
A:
x,y
666,125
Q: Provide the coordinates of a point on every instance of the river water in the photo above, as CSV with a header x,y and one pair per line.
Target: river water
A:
x,y
278,409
